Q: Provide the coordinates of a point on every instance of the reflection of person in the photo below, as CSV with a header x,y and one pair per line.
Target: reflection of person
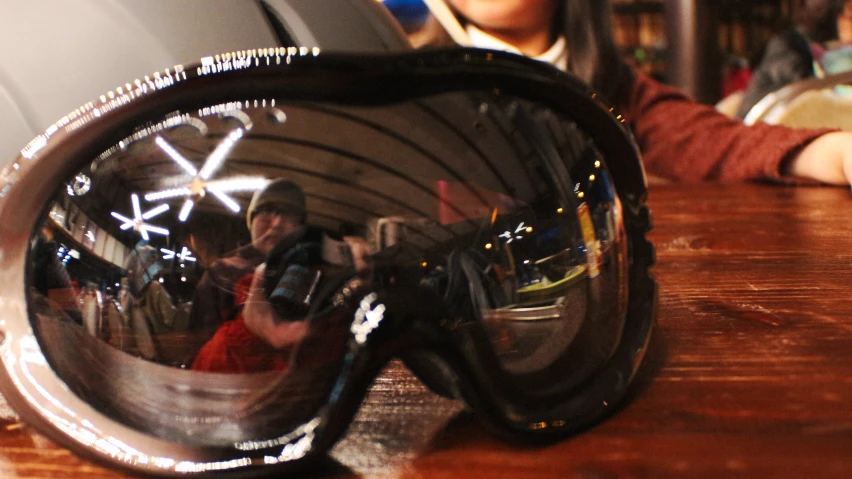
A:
x,y
275,211
296,277
51,279
679,138
143,266
790,55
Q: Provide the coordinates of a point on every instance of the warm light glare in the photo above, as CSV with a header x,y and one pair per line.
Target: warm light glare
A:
x,y
488,246
559,210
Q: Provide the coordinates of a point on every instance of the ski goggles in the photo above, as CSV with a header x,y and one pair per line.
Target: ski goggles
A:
x,y
205,269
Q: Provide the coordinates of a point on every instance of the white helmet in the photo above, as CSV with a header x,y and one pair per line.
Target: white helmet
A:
x,y
56,55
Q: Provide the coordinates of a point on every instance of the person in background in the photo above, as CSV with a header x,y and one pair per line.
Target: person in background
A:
x,y
679,138
52,283
790,55
837,57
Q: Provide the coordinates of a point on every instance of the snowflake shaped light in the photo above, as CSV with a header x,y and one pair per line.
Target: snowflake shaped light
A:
x,y
184,255
201,184
138,223
510,236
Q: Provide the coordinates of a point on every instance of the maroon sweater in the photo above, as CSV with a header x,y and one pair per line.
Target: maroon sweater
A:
x,y
684,140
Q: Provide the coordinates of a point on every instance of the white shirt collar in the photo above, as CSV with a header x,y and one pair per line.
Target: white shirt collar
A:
x,y
557,55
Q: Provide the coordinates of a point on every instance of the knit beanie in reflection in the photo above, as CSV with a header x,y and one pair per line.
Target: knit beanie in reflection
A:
x,y
284,194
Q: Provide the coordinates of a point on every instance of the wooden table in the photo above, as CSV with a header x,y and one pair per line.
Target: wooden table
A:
x,y
749,373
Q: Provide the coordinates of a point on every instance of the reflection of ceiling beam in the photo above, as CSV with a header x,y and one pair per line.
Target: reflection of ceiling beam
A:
x,y
361,189
500,119
450,126
445,124
413,145
389,133
430,191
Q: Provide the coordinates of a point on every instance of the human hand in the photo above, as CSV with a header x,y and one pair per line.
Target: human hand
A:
x,y
827,159
361,252
261,319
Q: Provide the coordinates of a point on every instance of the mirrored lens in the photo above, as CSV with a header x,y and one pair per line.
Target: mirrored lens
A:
x,y
205,277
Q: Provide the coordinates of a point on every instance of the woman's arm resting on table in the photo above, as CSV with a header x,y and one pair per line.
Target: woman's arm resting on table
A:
x,y
827,159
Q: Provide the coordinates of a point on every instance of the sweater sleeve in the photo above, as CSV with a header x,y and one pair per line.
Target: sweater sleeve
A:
x,y
684,140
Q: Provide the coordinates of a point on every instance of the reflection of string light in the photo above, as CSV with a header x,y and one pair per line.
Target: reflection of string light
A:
x,y
488,246
184,255
172,193
591,177
559,210
581,195
215,160
597,163
185,209
226,200
367,318
201,184
138,222
510,236
183,279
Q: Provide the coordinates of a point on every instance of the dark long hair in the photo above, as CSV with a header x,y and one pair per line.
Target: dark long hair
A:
x,y
593,55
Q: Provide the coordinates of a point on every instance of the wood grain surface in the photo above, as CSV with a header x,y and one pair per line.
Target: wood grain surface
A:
x,y
749,373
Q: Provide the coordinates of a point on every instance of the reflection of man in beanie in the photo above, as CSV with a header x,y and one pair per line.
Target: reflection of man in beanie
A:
x,y
276,211
300,287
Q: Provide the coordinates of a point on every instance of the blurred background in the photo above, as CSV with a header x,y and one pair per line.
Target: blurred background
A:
x,y
56,55
697,45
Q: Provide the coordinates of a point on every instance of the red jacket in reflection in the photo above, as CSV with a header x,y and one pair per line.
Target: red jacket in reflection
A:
x,y
234,349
